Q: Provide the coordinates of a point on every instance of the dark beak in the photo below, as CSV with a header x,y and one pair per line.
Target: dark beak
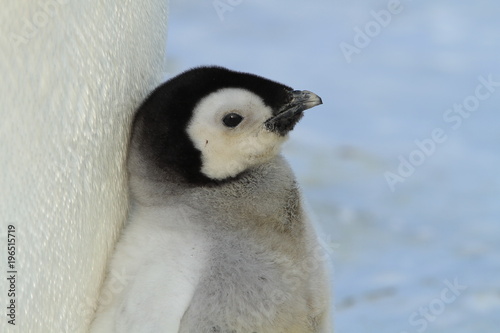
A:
x,y
287,117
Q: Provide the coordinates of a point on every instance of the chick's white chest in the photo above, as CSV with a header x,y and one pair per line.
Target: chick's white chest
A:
x,y
163,253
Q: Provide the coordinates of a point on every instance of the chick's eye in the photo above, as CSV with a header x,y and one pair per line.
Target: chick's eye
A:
x,y
232,119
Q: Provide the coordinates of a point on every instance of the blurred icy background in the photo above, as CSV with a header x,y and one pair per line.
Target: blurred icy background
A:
x,y
395,253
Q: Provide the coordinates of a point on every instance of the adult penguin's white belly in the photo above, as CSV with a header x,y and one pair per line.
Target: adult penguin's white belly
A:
x,y
72,73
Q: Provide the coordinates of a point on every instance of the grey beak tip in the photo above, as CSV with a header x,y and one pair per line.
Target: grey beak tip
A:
x,y
308,98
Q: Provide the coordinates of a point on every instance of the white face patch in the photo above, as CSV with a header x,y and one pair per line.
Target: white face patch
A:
x,y
228,151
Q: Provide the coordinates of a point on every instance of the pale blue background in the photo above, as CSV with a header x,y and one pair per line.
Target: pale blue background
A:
x,y
392,251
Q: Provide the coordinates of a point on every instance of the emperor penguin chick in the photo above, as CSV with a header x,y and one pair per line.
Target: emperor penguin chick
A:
x,y
217,239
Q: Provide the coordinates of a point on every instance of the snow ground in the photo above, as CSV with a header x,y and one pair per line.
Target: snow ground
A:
x,y
397,253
